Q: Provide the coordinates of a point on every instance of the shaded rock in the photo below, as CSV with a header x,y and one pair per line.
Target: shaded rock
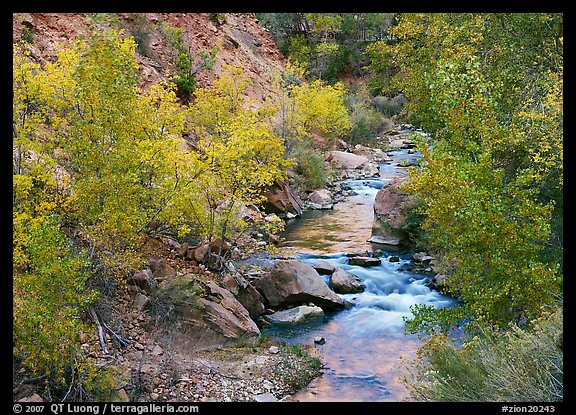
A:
x,y
246,293
364,261
227,313
324,268
160,268
294,315
183,250
293,283
344,282
201,252
143,279
219,246
191,254
212,319
281,198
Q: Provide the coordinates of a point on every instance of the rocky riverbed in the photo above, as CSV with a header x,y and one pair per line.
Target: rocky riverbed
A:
x,y
203,344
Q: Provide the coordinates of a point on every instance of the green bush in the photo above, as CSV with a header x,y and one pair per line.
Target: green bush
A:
x,y
516,365
313,172
367,121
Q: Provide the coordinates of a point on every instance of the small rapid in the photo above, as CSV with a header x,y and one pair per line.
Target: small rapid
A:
x,y
366,343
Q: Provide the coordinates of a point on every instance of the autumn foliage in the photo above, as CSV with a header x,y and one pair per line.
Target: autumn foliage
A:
x,y
99,165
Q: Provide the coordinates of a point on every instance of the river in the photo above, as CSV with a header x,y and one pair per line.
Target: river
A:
x,y
366,343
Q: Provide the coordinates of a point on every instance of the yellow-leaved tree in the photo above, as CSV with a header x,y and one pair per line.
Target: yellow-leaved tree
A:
x,y
96,166
239,152
303,108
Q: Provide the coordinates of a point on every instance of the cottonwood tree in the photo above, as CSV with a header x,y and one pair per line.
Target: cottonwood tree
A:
x,y
489,89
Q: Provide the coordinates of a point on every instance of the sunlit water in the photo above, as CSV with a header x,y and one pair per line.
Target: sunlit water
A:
x,y
366,343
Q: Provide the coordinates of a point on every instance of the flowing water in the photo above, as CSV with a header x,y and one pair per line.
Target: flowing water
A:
x,y
364,344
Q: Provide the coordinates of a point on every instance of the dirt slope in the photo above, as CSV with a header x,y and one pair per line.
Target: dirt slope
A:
x,y
242,41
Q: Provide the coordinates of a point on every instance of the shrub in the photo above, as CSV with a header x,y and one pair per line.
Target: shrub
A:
x,y
313,172
389,106
49,296
367,122
517,365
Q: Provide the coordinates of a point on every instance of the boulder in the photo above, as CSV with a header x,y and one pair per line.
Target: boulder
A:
x,y
230,318
352,254
324,268
196,315
344,282
282,199
265,397
320,199
422,257
364,261
160,268
347,160
140,301
293,283
438,282
246,293
294,315
218,245
385,240
320,196
144,279
183,250
201,252
33,398
391,207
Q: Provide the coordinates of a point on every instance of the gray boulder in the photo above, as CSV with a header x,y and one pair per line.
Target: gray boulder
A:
x,y
294,315
344,282
295,283
323,267
347,160
364,261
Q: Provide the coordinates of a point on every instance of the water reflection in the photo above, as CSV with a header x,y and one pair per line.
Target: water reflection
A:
x,y
366,343
345,228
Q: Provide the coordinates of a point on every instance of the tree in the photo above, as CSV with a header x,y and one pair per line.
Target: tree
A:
x,y
239,151
488,87
96,167
326,45
302,108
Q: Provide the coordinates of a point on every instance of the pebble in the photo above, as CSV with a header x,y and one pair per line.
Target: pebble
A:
x,y
319,340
